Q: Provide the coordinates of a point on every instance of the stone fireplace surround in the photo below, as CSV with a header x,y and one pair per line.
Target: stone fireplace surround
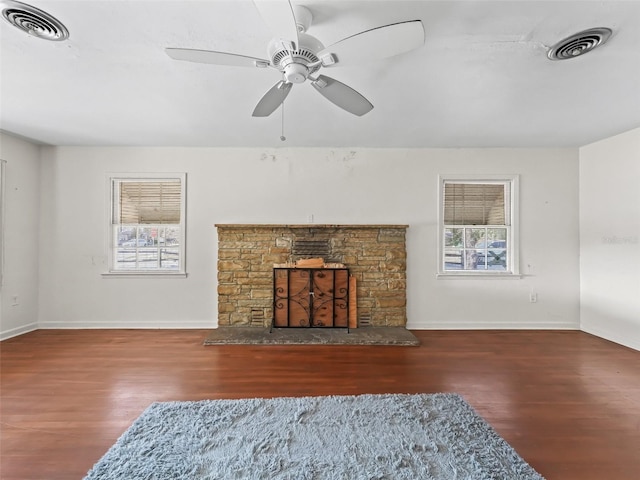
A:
x,y
374,254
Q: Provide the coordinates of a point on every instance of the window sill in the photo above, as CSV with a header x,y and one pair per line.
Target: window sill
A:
x,y
144,275
471,275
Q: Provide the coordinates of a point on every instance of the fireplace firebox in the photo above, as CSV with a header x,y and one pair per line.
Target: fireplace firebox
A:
x,y
310,297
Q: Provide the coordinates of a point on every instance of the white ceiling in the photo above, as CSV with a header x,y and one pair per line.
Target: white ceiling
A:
x,y
482,78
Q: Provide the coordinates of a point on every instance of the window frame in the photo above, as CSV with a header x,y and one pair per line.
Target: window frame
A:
x,y
112,203
513,241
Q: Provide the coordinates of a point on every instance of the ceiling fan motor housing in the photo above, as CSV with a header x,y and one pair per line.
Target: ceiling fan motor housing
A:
x,y
294,64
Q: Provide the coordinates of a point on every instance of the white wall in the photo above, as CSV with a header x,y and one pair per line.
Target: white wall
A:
x,y
286,186
19,293
610,238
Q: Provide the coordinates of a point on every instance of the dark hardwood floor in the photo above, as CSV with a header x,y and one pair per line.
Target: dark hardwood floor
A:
x,y
568,402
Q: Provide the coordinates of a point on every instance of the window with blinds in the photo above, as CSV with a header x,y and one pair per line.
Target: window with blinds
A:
x,y
147,224
476,225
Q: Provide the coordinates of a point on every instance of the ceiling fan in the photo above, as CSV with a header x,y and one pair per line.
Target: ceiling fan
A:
x,y
299,56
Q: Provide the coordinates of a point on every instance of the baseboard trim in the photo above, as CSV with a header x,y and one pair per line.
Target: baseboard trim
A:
x,y
14,332
211,324
465,325
187,324
624,341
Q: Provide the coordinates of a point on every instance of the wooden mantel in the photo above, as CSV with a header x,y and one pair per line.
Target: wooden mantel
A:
x,y
306,225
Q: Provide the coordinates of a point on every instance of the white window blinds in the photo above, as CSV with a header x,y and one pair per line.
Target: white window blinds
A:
x,y
149,202
475,203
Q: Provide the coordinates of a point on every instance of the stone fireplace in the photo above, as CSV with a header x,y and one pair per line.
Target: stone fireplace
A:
x,y
374,254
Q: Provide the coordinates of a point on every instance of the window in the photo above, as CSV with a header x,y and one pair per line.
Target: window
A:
x,y
478,233
147,234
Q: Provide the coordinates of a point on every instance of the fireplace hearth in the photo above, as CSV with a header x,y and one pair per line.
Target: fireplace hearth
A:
x,y
397,336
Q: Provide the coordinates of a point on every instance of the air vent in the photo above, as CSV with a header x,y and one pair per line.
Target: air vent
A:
x,y
306,248
34,21
579,44
257,317
364,320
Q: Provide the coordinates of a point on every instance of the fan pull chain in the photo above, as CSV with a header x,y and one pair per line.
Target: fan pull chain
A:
x,y
282,137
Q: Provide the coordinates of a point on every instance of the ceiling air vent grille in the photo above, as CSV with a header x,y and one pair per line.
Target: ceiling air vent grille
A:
x,y
34,21
579,44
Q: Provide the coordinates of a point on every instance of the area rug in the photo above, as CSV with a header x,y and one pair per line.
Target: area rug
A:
x,y
311,336
391,436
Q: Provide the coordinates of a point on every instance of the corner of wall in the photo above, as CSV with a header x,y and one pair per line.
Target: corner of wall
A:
x,y
609,176
21,236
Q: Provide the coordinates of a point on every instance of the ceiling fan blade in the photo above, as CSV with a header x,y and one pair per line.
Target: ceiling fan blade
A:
x,y
342,95
279,17
215,58
377,43
272,99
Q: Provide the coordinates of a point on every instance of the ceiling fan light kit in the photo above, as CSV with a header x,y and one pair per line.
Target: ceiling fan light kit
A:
x,y
299,56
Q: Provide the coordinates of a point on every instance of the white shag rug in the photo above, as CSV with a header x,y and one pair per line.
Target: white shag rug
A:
x,y
390,436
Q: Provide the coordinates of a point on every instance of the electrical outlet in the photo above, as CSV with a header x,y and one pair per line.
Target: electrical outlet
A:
x,y
533,297
14,300
310,218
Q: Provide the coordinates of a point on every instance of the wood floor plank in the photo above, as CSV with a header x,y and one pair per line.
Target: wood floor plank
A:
x,y
568,402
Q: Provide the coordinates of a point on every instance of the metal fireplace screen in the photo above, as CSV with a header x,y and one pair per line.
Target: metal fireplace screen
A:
x,y
311,297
